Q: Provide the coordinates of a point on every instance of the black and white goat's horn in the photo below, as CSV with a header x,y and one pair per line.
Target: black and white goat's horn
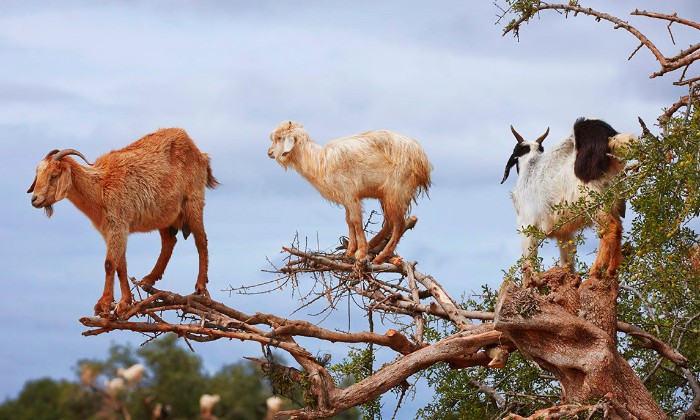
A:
x,y
65,152
518,137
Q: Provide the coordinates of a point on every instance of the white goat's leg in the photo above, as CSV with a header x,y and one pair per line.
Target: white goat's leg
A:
x,y
352,241
194,217
386,228
529,250
395,219
355,210
566,251
168,241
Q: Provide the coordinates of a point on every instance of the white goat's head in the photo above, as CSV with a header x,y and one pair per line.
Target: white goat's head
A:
x,y
53,180
285,137
521,149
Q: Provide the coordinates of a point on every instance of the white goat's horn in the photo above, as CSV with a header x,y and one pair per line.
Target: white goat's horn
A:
x,y
518,137
542,137
65,152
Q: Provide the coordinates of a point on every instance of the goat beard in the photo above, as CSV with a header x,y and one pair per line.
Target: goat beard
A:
x,y
49,210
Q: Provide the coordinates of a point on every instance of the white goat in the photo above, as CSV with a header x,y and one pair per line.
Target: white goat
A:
x,y
548,179
114,386
274,406
133,374
207,403
154,183
385,165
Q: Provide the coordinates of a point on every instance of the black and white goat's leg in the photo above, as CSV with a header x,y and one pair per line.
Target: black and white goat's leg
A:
x,y
529,249
567,248
609,255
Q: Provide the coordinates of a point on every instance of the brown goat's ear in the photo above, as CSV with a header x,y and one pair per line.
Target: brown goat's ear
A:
x,y
63,184
31,188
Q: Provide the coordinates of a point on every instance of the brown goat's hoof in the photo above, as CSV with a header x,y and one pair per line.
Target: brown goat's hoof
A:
x,y
202,291
103,309
122,308
396,260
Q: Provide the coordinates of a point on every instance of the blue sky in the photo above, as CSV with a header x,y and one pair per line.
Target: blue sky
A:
x,y
96,76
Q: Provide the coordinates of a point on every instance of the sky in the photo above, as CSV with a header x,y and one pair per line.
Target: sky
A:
x,y
96,76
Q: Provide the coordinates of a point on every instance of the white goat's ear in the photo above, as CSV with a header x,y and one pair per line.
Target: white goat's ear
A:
x,y
63,184
289,142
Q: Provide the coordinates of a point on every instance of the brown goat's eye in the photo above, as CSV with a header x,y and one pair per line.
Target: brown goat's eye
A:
x,y
53,176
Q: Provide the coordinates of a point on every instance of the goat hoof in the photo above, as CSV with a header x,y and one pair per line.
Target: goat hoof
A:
x,y
103,309
202,291
122,308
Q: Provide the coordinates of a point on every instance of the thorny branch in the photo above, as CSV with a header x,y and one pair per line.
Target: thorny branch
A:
x,y
201,319
683,59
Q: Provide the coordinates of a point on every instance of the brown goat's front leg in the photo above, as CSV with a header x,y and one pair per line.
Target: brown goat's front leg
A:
x,y
194,216
168,241
127,298
116,250
383,232
609,255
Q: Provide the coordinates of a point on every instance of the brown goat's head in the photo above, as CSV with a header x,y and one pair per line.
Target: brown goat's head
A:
x,y
284,138
53,180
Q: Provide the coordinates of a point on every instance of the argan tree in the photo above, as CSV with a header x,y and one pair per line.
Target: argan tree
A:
x,y
622,346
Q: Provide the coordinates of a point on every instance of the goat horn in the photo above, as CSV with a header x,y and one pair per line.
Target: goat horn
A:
x,y
51,153
518,137
542,137
65,152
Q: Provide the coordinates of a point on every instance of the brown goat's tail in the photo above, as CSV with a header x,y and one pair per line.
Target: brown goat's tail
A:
x,y
211,181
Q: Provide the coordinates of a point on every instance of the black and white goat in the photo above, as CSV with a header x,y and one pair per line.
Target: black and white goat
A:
x,y
548,179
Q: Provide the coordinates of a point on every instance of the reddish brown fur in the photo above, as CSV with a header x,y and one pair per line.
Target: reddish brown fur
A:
x,y
155,183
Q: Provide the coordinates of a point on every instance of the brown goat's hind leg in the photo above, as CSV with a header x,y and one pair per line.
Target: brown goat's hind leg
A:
x,y
194,218
609,255
168,240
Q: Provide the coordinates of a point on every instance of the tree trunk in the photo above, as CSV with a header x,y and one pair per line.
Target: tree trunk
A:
x,y
577,347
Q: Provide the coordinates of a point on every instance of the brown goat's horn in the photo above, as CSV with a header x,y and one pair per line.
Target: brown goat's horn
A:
x,y
518,137
65,152
51,153
542,137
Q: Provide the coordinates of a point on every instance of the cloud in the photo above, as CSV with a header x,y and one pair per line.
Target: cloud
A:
x,y
96,76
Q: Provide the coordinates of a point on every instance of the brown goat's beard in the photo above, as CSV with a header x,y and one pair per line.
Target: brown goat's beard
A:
x,y
49,210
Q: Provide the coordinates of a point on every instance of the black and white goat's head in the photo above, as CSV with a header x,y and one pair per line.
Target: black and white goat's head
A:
x,y
521,149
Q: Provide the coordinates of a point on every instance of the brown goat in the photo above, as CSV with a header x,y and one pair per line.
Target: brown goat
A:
x,y
385,165
154,183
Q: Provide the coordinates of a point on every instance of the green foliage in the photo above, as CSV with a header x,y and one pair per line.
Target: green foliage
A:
x,y
174,376
45,399
357,366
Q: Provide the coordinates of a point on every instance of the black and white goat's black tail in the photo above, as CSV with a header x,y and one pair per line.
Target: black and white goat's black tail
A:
x,y
592,150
